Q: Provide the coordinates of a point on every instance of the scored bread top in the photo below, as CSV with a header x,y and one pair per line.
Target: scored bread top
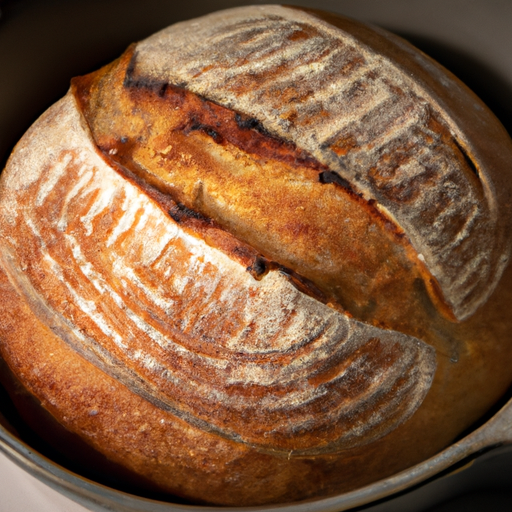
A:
x,y
389,136
265,228
142,297
225,172
237,255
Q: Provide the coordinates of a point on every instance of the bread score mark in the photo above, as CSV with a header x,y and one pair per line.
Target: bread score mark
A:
x,y
215,236
104,266
266,192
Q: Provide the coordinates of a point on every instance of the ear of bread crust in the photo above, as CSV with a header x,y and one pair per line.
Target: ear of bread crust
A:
x,y
225,169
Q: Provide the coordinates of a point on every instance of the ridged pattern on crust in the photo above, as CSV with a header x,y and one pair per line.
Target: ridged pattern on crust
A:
x,y
356,112
183,325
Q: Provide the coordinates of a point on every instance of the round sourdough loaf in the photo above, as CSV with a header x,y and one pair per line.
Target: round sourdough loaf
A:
x,y
259,258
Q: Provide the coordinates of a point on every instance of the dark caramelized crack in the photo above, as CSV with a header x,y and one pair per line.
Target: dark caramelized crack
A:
x,y
259,268
220,123
216,236
209,130
249,123
305,286
179,212
334,177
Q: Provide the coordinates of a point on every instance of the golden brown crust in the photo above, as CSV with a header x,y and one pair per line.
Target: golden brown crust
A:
x,y
91,274
278,199
181,290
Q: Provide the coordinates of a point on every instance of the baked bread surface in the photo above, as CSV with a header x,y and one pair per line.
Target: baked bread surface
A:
x,y
254,261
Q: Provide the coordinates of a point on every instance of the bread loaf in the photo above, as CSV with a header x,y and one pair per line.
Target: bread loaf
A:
x,y
261,257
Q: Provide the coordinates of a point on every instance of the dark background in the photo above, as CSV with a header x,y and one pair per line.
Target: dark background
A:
x,y
43,43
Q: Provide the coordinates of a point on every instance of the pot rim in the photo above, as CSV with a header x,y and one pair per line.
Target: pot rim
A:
x,y
100,498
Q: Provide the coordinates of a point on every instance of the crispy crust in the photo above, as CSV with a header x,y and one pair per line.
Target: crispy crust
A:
x,y
359,112
276,198
179,289
277,354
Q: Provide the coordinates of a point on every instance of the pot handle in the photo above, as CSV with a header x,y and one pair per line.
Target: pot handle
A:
x,y
497,430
